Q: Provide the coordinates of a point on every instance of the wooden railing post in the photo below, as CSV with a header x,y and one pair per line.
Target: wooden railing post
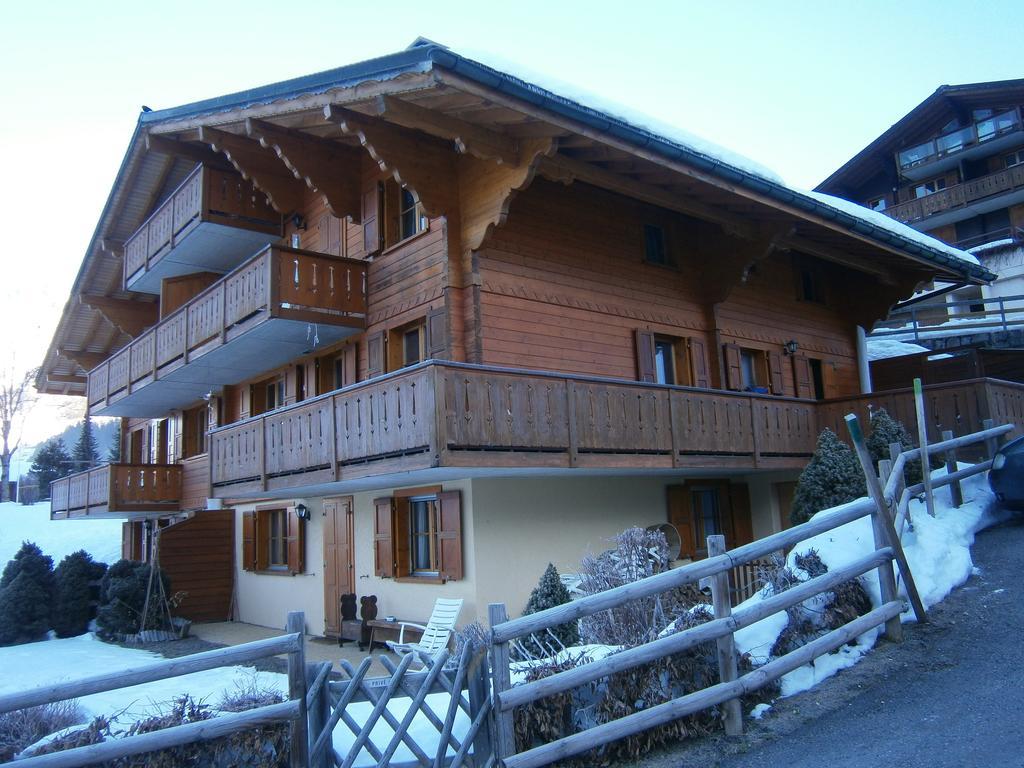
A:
x,y
991,444
922,436
727,667
299,757
504,735
477,683
956,493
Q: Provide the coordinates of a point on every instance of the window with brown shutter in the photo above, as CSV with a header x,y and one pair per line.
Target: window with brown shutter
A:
x,y
383,546
698,354
733,367
645,356
375,354
775,373
273,540
701,508
802,376
371,219
437,334
249,541
418,535
295,542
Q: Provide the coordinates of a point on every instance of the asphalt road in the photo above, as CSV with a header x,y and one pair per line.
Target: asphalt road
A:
x,y
951,695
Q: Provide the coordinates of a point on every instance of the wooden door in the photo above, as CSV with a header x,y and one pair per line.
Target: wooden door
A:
x,y
338,574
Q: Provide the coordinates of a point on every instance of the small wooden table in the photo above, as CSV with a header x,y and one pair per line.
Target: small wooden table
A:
x,y
381,630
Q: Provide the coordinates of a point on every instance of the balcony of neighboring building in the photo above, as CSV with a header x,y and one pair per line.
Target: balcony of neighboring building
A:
x,y
982,137
117,490
210,223
973,197
273,308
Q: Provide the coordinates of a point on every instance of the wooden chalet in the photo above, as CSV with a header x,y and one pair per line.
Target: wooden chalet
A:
x,y
417,327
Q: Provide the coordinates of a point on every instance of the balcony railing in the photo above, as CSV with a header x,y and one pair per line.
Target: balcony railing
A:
x,y
117,488
169,243
222,325
957,141
959,195
937,319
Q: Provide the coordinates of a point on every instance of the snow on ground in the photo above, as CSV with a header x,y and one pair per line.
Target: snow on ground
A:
x,y
879,349
57,538
939,553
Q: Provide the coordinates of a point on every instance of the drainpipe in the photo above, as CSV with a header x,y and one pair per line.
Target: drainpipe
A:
x,y
863,365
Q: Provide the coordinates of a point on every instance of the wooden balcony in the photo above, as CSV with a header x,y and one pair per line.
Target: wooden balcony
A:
x,y
210,223
458,420
117,489
253,320
960,196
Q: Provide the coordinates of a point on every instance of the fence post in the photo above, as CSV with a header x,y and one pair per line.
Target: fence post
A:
x,y
318,715
886,577
956,493
477,683
297,690
727,666
991,444
922,436
504,736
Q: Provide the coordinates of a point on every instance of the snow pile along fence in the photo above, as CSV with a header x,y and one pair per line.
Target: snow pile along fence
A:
x,y
880,507
294,710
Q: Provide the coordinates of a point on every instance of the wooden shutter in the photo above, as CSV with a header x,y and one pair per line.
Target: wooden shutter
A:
x,y
402,538
802,376
350,363
437,334
775,373
249,541
371,219
645,356
733,369
296,542
680,514
127,532
698,352
330,234
383,546
742,524
375,355
449,535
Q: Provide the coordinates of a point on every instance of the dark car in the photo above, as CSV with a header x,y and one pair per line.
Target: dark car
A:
x,y
1007,474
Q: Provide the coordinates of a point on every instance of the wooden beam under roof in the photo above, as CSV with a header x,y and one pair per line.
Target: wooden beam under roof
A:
x,y
175,148
469,138
131,317
263,168
63,378
566,169
330,168
85,360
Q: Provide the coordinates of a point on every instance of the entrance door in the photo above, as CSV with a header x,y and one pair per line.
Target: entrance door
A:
x,y
338,579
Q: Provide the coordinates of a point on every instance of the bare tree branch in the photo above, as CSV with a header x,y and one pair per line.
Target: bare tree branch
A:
x,y
16,399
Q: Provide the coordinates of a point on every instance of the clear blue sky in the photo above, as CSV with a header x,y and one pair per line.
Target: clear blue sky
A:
x,y
798,86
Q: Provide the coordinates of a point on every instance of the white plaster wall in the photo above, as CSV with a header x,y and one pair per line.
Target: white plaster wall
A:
x,y
522,525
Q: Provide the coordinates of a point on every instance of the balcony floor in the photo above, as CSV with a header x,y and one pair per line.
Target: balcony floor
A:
x,y
209,247
263,347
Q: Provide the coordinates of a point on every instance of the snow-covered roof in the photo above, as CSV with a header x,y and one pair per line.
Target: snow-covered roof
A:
x,y
880,349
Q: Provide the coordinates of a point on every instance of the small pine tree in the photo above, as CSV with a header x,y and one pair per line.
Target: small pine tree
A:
x,y
72,609
548,593
51,461
123,598
24,611
114,454
885,430
86,454
833,476
26,596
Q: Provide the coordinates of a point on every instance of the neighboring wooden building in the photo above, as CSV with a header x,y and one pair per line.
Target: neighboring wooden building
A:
x,y
426,327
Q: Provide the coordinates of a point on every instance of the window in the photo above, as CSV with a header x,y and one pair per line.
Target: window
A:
x,y
275,393
929,187
809,280
877,204
703,508
273,541
193,427
266,395
418,535
817,378
664,361
407,345
655,251
1014,158
746,370
412,220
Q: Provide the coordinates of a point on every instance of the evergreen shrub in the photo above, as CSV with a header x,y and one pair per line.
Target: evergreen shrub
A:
x,y
72,607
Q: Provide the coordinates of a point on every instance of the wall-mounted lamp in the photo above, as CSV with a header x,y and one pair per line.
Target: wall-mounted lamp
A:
x,y
298,221
791,347
302,512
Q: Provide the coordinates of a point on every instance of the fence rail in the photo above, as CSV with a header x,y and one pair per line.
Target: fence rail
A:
x,y
293,710
882,506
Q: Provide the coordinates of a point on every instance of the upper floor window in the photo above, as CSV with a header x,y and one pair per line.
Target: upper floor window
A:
x,y
664,360
275,393
877,204
1014,158
411,217
929,187
655,250
194,425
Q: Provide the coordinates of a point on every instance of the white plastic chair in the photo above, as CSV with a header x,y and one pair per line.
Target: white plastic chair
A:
x,y
435,634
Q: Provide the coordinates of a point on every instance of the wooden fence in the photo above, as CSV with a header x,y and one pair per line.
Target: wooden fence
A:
x,y
291,711
883,507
